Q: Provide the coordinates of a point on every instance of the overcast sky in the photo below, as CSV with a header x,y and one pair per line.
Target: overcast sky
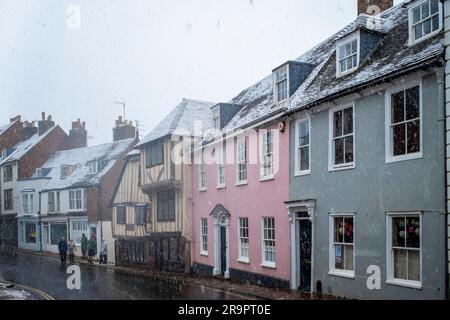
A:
x,y
150,54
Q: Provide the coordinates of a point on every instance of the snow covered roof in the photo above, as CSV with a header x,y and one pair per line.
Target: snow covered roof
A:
x,y
107,153
182,119
5,127
23,147
391,56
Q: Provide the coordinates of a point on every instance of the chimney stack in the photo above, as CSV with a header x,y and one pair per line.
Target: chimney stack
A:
x,y
45,124
16,118
374,7
78,135
123,130
29,129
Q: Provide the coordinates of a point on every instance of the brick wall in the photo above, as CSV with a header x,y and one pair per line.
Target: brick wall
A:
x,y
11,136
55,141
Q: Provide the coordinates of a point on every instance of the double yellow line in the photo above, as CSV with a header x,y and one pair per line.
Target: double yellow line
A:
x,y
38,291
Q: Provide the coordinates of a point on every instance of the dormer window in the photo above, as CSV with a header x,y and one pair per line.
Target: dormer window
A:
x,y
425,20
281,83
93,167
67,171
347,53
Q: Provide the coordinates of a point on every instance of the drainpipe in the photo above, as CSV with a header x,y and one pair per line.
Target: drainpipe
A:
x,y
40,223
446,22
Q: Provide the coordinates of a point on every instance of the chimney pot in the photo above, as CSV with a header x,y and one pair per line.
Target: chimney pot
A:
x,y
43,116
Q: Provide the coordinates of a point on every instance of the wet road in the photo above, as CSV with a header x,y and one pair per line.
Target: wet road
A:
x,y
99,283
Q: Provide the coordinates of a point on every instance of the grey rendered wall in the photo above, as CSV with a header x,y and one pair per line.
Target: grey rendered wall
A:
x,y
370,190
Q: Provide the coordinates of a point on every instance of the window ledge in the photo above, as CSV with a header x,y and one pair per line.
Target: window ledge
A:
x,y
341,168
405,283
241,183
343,274
268,265
303,173
204,254
221,187
244,260
413,156
268,178
202,190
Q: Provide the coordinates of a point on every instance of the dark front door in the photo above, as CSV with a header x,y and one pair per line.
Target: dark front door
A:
x,y
223,249
305,255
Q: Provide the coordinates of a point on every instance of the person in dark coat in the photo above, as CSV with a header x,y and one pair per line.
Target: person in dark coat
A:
x,y
84,245
62,248
92,249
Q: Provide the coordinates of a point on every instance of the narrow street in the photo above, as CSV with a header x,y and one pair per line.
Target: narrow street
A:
x,y
98,283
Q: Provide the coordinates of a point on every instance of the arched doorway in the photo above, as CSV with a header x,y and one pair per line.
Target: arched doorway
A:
x,y
221,218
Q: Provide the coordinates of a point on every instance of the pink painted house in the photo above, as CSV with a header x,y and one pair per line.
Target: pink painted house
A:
x,y
241,228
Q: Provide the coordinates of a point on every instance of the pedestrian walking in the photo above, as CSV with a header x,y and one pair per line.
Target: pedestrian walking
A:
x,y
104,253
92,249
72,248
62,248
84,245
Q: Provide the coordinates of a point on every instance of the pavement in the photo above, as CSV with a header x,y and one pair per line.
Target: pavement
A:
x,y
145,284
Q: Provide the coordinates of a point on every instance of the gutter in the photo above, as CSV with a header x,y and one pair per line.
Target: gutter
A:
x,y
40,223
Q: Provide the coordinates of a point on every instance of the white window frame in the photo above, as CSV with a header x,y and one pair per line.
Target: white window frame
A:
x,y
202,175
76,227
203,237
270,175
388,126
83,200
342,42
298,171
276,82
411,40
268,264
221,166
332,269
241,258
389,252
56,202
331,156
28,203
241,148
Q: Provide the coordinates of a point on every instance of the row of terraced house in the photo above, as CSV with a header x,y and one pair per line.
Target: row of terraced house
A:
x,y
329,175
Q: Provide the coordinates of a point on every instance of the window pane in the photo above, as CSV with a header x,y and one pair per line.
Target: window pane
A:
x,y
425,10
338,229
412,103
339,151
348,257
349,149
414,136
400,264
414,265
435,23
348,121
348,230
398,232
413,232
399,143
304,159
338,262
418,31
304,133
416,15
434,6
337,123
427,27
398,107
